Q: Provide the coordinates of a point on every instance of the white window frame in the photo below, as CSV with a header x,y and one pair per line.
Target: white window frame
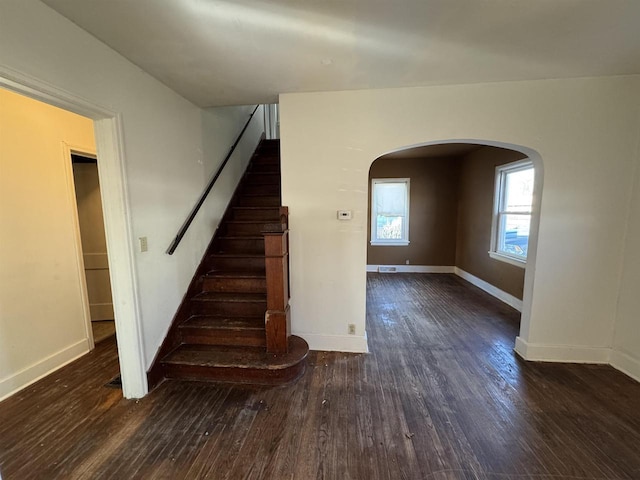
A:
x,y
498,201
404,241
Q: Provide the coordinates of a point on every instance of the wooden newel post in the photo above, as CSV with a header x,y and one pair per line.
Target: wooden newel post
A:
x,y
277,318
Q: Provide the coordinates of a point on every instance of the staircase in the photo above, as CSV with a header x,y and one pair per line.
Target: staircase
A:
x,y
233,323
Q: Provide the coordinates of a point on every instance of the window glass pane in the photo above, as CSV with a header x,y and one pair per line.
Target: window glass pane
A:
x,y
390,198
389,228
519,191
514,234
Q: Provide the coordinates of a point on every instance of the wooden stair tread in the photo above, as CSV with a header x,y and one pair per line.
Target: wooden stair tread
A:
x,y
224,322
251,221
270,195
230,297
277,209
235,274
241,237
238,357
236,255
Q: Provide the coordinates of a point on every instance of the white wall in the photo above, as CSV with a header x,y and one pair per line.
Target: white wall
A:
x,y
42,319
168,155
626,343
585,131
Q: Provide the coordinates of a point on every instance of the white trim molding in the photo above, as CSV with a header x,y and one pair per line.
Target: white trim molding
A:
x,y
31,374
561,353
490,289
536,352
506,258
626,364
336,343
67,163
410,269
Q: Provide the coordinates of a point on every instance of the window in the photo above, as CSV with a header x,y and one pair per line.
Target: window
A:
x,y
512,212
390,211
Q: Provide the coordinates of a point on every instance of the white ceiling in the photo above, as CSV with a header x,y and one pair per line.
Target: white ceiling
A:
x,y
231,52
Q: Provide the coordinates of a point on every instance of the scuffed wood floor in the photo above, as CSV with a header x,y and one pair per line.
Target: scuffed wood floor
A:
x,y
440,396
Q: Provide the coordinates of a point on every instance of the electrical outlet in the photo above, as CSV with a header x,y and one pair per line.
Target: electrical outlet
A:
x,y
144,246
344,214
406,262
352,329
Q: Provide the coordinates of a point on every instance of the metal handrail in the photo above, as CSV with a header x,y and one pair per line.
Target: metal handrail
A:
x,y
203,196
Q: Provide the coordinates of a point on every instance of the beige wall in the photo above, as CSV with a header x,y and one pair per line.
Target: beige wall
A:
x,y
477,179
432,212
584,133
42,321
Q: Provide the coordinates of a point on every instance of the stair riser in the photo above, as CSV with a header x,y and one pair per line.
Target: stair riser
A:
x,y
236,309
235,375
238,245
240,285
212,336
261,189
266,215
265,168
252,229
260,201
263,179
267,155
236,263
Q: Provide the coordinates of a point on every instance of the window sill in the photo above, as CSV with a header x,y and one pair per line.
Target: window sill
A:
x,y
511,260
400,243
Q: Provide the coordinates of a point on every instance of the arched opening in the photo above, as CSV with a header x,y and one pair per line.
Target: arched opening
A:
x,y
455,220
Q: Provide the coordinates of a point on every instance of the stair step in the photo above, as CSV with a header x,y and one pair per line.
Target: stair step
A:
x,y
272,162
263,178
223,330
229,304
265,168
237,364
236,262
245,227
268,149
266,214
253,245
259,200
238,282
259,189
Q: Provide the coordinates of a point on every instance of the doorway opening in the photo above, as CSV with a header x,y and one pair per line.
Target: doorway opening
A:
x,y
117,218
45,291
94,244
458,218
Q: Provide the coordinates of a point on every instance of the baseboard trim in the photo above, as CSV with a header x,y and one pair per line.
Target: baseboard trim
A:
x,y
626,364
490,289
413,268
336,343
561,353
478,282
31,374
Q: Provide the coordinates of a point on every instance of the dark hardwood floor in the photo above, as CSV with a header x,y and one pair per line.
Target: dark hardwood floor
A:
x,y
440,396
